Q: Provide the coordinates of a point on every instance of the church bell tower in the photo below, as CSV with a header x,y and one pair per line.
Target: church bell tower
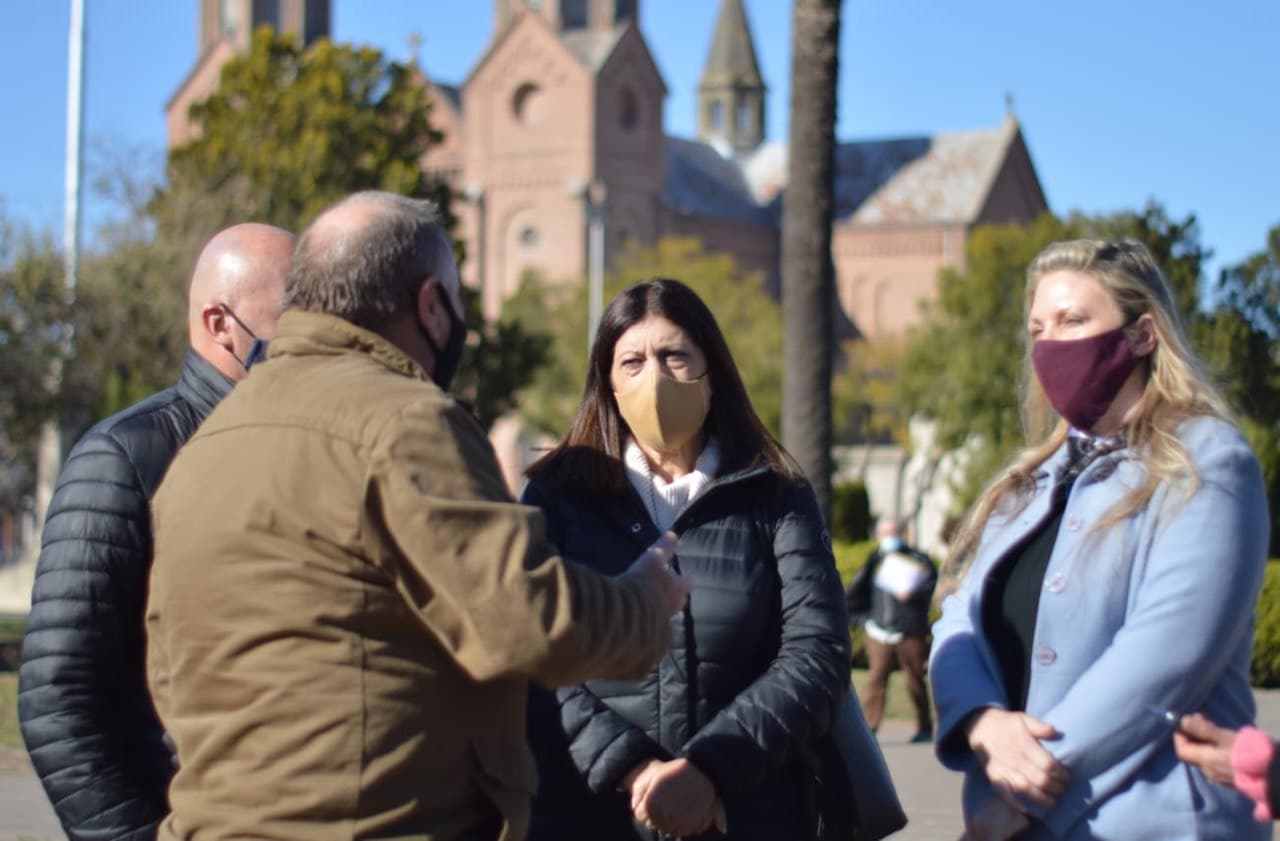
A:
x,y
235,20
567,15
731,91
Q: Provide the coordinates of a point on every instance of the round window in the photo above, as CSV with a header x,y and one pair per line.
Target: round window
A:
x,y
529,237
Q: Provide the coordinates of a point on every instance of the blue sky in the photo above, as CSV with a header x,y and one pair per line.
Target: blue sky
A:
x,y
1120,100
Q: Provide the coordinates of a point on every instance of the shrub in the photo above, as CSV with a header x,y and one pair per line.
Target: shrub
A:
x,y
850,512
1265,668
11,641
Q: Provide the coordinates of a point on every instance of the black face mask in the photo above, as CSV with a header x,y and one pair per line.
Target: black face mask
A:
x,y
257,353
450,356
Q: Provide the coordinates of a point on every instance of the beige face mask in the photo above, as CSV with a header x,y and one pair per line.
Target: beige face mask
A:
x,y
664,414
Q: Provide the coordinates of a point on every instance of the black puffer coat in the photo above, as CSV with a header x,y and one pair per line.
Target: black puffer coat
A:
x,y
758,666
86,715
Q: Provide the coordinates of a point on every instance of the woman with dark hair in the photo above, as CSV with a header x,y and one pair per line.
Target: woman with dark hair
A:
x,y
720,737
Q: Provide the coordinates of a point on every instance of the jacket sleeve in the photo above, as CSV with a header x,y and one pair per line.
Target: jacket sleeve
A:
x,y
961,679
603,745
1197,591
85,620
476,566
794,700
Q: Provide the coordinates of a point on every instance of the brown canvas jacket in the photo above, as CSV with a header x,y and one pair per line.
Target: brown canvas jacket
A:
x,y
346,605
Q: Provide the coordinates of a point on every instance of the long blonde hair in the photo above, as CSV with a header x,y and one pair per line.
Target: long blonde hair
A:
x,y
1177,387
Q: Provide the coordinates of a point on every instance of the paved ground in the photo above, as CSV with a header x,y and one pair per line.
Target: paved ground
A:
x,y
930,794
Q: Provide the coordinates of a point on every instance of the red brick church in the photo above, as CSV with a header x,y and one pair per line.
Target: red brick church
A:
x,y
567,102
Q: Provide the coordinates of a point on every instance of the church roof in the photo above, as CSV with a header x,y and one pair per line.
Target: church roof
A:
x,y
702,181
732,59
592,47
944,177
451,93
947,181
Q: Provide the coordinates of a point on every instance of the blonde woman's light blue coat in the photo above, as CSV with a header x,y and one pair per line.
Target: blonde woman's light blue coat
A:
x,y
1137,625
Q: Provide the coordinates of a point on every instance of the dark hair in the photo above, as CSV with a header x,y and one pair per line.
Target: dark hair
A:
x,y
590,456
365,273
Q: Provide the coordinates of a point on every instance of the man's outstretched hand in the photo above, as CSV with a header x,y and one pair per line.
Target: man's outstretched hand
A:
x,y
653,570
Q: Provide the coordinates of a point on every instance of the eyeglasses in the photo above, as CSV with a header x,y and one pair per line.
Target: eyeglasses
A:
x,y
236,319
257,352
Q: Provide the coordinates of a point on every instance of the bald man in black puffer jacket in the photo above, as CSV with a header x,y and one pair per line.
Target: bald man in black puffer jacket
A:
x,y
83,705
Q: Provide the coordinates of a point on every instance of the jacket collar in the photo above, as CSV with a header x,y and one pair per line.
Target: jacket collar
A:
x,y
320,334
1099,468
743,472
202,385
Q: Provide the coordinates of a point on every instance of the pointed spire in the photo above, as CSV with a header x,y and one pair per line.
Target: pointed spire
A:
x,y
731,93
732,59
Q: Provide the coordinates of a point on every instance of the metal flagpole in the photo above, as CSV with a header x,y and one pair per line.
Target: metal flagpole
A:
x,y
49,453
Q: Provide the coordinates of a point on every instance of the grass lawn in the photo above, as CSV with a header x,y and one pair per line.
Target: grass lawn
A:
x,y
9,737
10,637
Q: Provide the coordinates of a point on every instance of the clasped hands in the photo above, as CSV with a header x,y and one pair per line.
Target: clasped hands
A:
x,y
674,797
1008,745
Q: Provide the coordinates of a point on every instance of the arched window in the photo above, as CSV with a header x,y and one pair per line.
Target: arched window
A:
x,y
228,17
716,116
526,104
573,14
628,109
267,11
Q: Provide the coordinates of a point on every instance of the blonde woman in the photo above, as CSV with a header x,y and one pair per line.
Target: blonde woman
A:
x,y
1104,583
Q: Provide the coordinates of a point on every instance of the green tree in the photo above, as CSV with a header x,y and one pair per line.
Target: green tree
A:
x,y
1240,336
288,132
33,312
865,403
747,315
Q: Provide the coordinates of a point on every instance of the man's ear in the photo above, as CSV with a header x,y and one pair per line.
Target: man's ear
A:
x,y
1142,335
430,313
217,324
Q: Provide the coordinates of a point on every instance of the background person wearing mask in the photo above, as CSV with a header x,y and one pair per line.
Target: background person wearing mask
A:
x,y
86,717
1104,583
722,733
342,648
891,596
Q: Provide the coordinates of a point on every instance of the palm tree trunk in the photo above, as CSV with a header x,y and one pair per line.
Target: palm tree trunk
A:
x,y
808,276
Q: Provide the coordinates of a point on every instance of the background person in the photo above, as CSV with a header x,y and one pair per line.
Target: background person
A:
x,y
1105,582
891,595
346,604
86,716
721,731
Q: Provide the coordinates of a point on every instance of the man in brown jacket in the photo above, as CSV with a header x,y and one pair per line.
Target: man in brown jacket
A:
x,y
346,604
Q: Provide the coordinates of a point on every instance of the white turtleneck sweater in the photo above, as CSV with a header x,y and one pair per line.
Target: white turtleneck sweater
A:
x,y
664,500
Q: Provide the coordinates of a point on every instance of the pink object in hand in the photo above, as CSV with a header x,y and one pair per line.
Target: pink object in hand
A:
x,y
1250,758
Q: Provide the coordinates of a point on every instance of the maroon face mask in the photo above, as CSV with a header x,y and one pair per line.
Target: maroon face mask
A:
x,y
1083,376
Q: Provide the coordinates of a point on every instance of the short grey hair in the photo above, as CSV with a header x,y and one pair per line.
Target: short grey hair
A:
x,y
368,270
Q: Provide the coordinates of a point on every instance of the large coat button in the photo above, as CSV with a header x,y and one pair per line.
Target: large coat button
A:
x,y
1056,583
1046,656
1073,523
